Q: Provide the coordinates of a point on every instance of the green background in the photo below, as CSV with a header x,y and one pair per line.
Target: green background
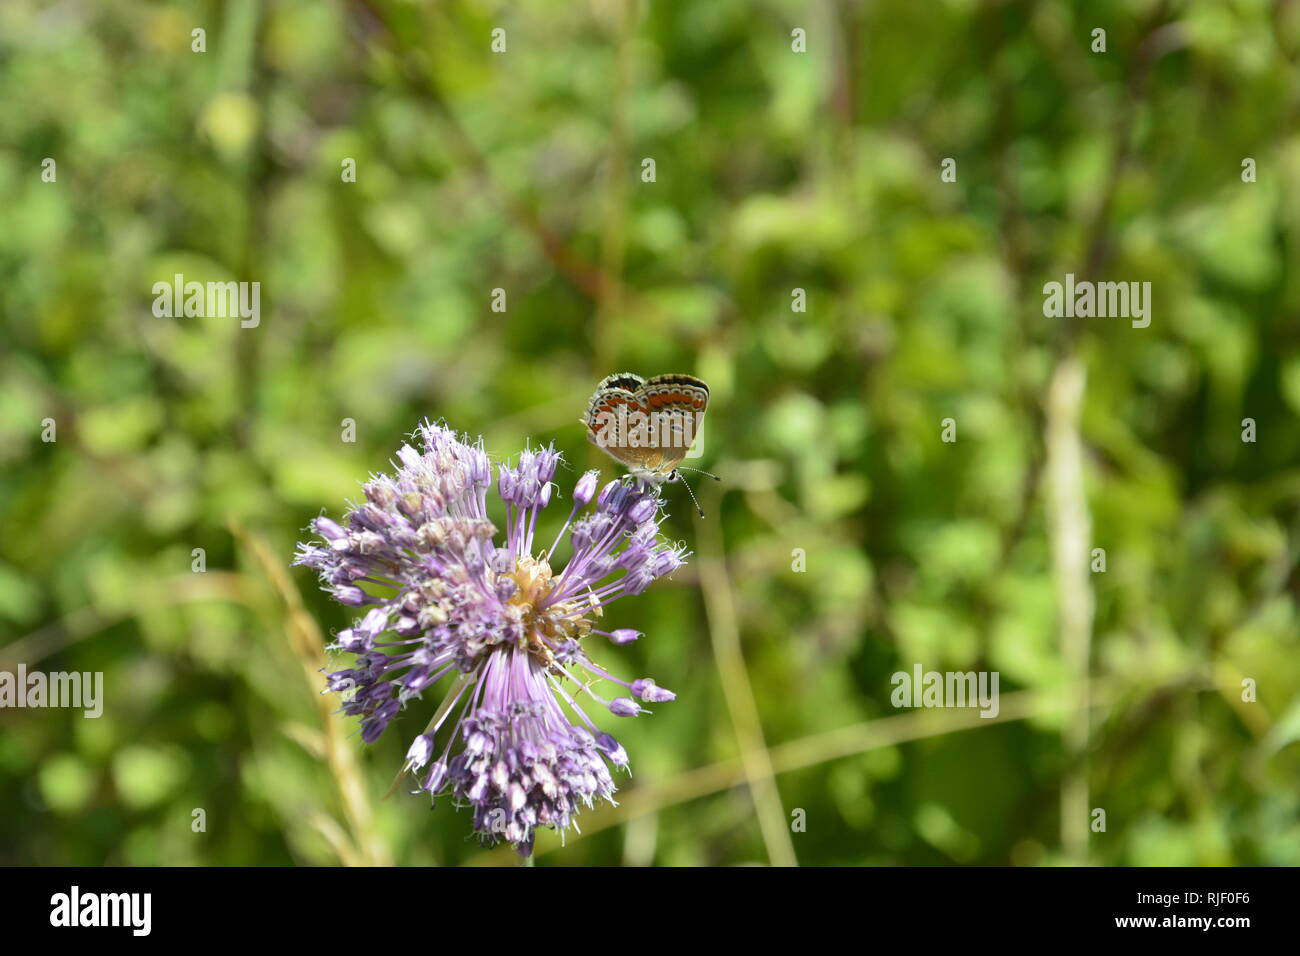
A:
x,y
775,170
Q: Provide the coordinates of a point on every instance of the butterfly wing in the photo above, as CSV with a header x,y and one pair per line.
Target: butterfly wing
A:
x,y
608,410
627,381
676,405
648,425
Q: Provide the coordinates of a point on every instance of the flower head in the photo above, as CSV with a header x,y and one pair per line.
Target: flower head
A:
x,y
443,599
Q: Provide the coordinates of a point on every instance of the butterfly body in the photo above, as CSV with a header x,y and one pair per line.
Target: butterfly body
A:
x,y
648,425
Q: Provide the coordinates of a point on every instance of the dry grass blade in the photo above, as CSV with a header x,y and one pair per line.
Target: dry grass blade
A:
x,y
724,632
308,645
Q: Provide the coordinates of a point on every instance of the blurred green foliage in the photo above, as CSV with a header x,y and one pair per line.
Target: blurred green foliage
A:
x,y
774,170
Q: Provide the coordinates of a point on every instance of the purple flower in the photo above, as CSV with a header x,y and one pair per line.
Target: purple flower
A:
x,y
446,601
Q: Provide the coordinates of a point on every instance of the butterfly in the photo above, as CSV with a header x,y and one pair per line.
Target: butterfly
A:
x,y
648,425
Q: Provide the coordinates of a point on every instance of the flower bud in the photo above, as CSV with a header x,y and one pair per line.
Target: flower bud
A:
x,y
642,510
585,490
507,483
329,530
612,749
409,456
436,776
624,707
350,595
420,752
646,689
611,496
547,459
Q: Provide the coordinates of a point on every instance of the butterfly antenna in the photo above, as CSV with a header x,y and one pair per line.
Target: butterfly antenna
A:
x,y
706,474
691,492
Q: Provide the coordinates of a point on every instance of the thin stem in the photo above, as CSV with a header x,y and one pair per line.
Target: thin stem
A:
x,y
1071,532
724,632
